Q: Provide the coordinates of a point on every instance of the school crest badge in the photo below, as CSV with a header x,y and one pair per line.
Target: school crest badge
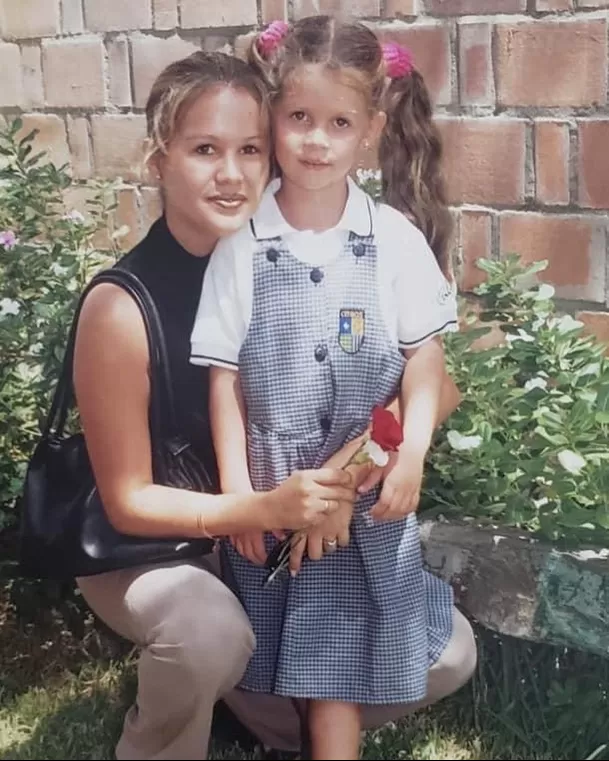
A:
x,y
351,329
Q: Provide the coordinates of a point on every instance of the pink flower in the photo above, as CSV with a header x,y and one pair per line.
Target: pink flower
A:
x,y
398,60
269,39
8,239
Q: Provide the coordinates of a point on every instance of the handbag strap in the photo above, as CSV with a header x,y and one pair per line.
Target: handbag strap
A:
x,y
163,420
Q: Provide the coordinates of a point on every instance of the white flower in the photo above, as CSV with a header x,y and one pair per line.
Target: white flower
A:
x,y
522,335
463,443
545,292
571,461
378,455
58,270
74,216
566,324
535,383
8,306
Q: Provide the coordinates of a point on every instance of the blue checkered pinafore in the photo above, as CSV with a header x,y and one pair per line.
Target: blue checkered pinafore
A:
x,y
363,623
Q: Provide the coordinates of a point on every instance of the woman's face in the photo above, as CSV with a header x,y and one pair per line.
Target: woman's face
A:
x,y
216,167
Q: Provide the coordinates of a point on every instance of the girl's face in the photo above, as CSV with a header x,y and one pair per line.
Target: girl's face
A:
x,y
320,123
215,168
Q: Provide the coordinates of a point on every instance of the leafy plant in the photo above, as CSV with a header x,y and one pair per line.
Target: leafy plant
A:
x,y
47,254
529,445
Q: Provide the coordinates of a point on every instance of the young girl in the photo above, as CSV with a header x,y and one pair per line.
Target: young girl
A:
x,y
322,307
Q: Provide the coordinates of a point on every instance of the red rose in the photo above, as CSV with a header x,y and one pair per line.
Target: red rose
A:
x,y
386,431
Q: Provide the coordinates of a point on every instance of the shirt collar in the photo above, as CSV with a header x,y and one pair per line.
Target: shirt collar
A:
x,y
269,222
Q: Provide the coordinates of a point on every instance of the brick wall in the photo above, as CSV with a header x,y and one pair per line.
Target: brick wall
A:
x,y
520,87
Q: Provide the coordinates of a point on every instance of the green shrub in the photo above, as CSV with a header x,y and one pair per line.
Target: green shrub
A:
x,y
46,257
529,445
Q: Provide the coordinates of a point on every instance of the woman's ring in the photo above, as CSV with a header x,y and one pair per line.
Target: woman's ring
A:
x,y
330,544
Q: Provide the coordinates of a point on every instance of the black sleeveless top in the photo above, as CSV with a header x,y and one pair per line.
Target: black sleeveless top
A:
x,y
174,278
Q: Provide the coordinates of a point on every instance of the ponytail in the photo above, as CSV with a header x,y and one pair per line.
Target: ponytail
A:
x,y
410,152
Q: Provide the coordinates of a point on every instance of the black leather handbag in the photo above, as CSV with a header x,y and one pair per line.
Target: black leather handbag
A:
x,y
64,530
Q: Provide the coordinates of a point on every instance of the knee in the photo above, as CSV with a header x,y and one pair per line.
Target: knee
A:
x,y
206,632
461,655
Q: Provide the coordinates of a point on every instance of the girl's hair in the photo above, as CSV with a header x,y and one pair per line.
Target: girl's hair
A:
x,y
410,148
181,83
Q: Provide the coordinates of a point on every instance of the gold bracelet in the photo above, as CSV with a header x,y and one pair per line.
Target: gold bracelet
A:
x,y
202,531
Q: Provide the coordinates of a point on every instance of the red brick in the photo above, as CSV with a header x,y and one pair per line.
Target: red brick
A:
x,y
51,136
544,6
196,14
476,244
397,8
274,10
552,162
552,63
118,69
72,17
594,163
596,324
338,8
118,142
73,69
31,68
574,247
467,7
80,149
430,46
11,80
30,18
165,14
484,159
476,82
150,56
117,15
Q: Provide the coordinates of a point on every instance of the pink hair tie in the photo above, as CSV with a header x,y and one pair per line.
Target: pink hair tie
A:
x,y
398,60
269,39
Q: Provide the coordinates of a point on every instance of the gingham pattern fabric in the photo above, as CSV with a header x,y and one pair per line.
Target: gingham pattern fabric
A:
x,y
355,625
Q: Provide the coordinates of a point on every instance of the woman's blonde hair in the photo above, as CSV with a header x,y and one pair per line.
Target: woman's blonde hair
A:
x,y
182,82
410,148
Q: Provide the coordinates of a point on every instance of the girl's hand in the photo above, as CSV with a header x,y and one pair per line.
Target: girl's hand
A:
x,y
251,545
307,497
402,481
327,536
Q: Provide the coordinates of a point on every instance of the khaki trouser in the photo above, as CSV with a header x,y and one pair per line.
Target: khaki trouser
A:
x,y
196,641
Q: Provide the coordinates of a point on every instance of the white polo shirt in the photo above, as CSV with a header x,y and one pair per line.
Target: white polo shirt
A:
x,y
417,301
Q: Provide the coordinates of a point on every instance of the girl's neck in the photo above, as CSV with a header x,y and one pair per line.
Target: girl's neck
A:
x,y
317,210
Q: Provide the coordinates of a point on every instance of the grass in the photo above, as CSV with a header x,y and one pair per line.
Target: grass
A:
x,y
65,683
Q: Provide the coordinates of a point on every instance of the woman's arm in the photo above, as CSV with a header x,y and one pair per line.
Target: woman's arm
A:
x,y
112,391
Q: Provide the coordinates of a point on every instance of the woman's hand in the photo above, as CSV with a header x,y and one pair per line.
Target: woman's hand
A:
x,y
307,497
327,536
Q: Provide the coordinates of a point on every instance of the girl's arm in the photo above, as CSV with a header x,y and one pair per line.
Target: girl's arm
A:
x,y
112,391
421,395
450,398
228,426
